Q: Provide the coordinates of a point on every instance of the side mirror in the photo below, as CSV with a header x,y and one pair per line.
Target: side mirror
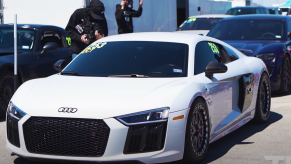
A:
x,y
47,47
199,8
214,67
59,65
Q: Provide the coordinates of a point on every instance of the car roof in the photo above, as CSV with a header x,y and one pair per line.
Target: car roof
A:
x,y
211,16
248,7
28,25
272,7
174,37
259,16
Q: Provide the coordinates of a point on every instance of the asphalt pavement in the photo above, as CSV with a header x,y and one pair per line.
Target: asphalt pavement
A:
x,y
251,144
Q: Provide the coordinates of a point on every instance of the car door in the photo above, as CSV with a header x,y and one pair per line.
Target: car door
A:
x,y
45,66
224,89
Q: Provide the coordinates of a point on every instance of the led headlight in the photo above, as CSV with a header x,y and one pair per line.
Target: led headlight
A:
x,y
266,56
150,116
15,112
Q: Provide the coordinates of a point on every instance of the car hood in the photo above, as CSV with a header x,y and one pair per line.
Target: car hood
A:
x,y
255,46
96,97
4,52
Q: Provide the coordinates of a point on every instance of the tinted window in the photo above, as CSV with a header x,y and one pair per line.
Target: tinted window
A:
x,y
241,11
272,11
249,29
232,55
199,24
289,28
25,38
206,52
157,59
262,11
52,36
258,11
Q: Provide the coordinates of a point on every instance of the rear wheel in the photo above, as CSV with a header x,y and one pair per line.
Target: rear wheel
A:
x,y
263,100
6,90
285,78
197,133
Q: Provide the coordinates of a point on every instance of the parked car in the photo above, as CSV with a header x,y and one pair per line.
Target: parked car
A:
x,y
200,24
264,36
38,48
152,102
275,10
247,10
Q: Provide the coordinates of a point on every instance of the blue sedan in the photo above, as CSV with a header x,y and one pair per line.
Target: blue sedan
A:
x,y
264,36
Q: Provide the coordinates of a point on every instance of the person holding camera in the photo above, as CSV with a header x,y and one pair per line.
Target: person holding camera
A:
x,y
82,19
124,15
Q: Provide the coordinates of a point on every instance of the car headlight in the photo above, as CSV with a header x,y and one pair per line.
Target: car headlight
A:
x,y
266,56
150,116
15,112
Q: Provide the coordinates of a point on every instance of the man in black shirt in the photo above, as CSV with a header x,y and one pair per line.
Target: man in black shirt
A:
x,y
92,13
124,14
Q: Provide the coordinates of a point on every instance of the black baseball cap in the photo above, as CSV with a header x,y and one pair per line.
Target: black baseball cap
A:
x,y
98,9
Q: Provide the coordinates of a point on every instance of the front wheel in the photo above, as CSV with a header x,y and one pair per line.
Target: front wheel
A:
x,y
197,133
6,89
263,105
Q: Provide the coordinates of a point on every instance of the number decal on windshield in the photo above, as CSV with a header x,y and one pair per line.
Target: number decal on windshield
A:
x,y
94,46
213,47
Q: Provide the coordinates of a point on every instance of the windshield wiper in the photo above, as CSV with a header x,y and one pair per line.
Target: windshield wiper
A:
x,y
131,75
72,73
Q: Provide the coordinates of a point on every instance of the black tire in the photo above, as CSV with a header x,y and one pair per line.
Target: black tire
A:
x,y
285,77
197,133
263,104
6,89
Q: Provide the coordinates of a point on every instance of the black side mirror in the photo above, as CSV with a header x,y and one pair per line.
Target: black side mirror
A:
x,y
47,47
59,65
199,8
214,67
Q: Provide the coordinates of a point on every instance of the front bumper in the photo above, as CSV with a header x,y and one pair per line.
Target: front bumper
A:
x,y
173,148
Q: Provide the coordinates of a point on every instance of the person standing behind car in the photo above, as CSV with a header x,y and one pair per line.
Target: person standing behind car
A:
x,y
124,14
92,13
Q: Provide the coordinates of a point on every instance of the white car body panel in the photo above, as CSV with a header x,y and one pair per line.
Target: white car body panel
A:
x,y
108,97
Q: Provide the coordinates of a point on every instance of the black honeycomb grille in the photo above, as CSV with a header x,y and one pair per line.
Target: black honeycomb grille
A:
x,y
12,131
145,138
66,136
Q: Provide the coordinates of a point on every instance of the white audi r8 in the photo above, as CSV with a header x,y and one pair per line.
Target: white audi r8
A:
x,y
141,97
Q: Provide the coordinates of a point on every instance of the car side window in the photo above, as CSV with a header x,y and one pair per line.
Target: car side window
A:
x,y
262,11
52,36
232,55
258,11
289,29
206,52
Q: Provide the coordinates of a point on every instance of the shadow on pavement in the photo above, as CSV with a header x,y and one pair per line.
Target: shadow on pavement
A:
x,y
275,94
220,147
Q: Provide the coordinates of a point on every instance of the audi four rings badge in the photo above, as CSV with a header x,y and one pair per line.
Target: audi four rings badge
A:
x,y
68,110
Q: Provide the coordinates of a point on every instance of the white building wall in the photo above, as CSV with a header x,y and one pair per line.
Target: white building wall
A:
x,y
208,7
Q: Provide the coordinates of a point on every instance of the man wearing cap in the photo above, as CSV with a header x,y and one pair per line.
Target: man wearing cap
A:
x,y
92,13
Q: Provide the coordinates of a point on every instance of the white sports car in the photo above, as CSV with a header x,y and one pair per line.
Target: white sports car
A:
x,y
142,97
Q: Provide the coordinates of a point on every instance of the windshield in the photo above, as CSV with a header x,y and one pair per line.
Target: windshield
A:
x,y
199,24
249,29
154,59
241,11
25,38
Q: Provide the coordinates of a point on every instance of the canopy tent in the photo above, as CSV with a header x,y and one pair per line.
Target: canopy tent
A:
x,y
288,3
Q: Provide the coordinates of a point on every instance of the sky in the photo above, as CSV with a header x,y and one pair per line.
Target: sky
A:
x,y
269,2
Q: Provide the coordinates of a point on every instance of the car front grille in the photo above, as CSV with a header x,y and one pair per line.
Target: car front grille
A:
x,y
66,136
12,131
145,138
